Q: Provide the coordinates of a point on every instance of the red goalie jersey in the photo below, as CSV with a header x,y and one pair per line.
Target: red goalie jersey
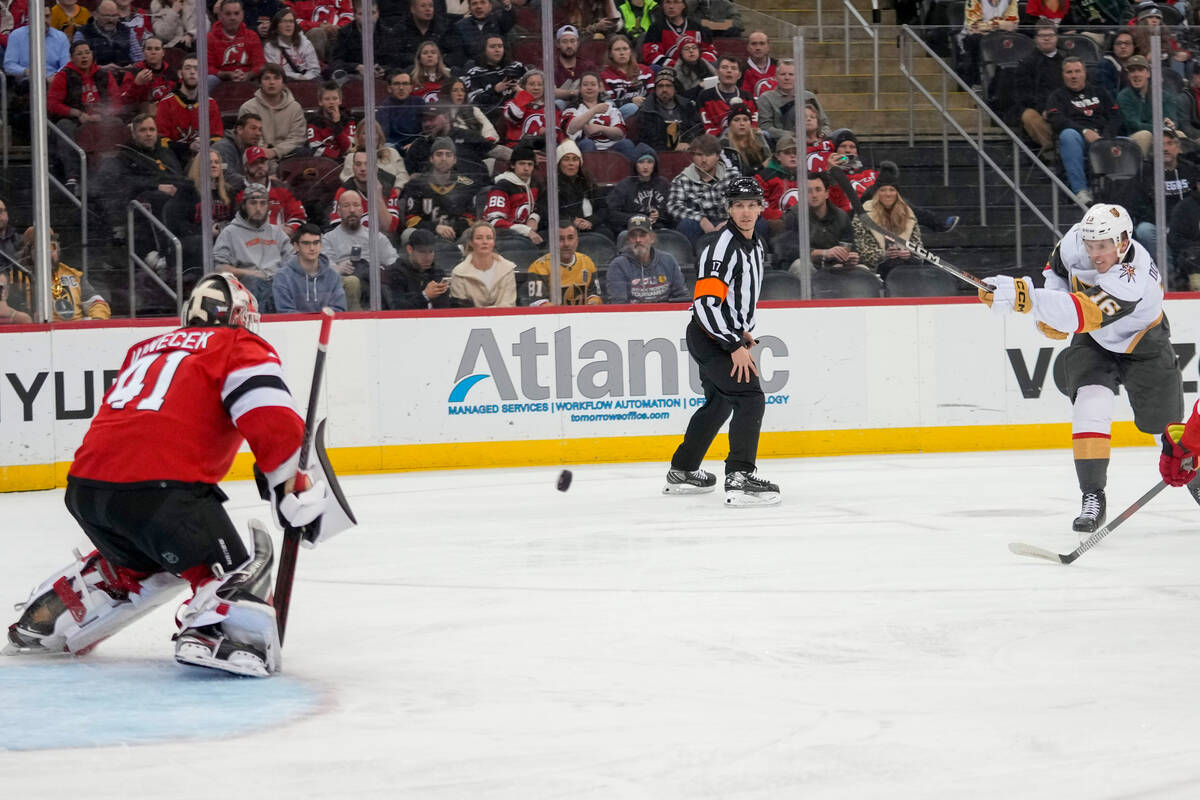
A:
x,y
184,401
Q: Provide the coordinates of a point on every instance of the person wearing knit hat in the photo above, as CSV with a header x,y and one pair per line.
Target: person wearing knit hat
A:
x,y
667,120
888,210
780,188
579,197
512,202
642,194
745,146
441,199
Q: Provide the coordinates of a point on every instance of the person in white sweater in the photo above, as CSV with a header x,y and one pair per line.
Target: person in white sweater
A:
x,y
484,278
287,46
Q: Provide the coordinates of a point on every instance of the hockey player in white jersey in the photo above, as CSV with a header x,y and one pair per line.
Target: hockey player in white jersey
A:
x,y
1104,288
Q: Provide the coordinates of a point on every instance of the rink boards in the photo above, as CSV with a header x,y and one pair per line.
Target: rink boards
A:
x,y
507,388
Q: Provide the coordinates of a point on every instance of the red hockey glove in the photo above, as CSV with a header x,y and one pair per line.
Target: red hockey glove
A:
x,y
1176,464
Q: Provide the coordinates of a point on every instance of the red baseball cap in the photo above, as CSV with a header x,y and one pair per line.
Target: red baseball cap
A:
x,y
254,153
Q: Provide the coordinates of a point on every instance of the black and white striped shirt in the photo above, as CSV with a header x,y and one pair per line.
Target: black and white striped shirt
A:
x,y
731,274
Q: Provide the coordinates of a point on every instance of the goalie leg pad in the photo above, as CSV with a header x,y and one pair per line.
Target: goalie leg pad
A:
x,y
227,624
84,603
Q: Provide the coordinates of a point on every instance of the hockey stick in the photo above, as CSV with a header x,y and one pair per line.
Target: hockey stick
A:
x,y
839,177
1091,541
292,536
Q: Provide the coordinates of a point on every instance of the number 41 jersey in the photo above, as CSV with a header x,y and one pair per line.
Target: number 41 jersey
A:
x,y
182,405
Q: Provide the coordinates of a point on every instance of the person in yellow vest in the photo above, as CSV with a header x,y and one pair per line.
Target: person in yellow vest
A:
x,y
635,17
578,272
73,295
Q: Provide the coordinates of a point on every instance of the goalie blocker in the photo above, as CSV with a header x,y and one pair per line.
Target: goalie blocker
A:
x,y
335,515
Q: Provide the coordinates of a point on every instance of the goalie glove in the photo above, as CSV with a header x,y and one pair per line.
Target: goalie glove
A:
x,y
1008,294
1176,464
304,504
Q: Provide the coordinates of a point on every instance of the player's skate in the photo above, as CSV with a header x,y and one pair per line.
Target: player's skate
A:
x,y
747,489
227,625
695,481
1091,517
83,604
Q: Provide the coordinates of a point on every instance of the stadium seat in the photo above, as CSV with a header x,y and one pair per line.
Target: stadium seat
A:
x,y
845,283
99,138
780,285
520,253
352,94
735,48
307,93
598,247
1080,46
920,280
595,51
446,255
676,244
606,167
230,95
673,162
528,50
1116,167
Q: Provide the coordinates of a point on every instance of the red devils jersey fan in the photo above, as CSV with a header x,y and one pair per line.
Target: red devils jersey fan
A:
x,y
144,489
525,113
778,179
511,202
330,130
660,46
234,51
759,73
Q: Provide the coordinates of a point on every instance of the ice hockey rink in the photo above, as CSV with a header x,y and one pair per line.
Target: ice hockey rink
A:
x,y
482,635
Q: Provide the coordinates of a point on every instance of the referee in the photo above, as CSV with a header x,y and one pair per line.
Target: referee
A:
x,y
719,338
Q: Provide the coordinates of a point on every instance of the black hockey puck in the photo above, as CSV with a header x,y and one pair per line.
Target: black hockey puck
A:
x,y
564,480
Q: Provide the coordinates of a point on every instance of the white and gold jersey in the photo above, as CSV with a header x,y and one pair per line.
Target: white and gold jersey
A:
x,y
1115,308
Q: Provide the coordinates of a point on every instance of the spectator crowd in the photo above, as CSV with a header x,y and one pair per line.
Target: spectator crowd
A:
x,y
655,108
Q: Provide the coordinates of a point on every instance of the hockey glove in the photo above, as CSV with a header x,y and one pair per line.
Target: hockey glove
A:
x,y
302,505
1010,294
1051,333
1175,464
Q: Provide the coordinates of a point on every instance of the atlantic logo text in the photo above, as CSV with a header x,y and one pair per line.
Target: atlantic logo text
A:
x,y
605,379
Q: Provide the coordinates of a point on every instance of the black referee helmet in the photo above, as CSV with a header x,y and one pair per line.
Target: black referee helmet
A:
x,y
743,188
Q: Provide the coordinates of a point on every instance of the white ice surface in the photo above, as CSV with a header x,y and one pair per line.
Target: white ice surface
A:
x,y
482,635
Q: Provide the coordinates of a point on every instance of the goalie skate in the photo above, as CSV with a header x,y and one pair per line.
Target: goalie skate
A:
x,y
689,482
209,647
745,489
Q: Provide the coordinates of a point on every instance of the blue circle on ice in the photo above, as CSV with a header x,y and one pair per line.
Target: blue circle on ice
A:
x,y
74,703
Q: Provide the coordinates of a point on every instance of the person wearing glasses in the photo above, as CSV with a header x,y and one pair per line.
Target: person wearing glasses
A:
x,y
308,282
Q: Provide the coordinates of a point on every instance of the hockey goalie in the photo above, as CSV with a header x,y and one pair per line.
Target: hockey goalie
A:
x,y
143,487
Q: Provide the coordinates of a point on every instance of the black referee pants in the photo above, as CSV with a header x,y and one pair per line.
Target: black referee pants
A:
x,y
722,397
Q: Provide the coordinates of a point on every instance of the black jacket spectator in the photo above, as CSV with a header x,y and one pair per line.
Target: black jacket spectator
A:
x,y
119,47
573,192
824,232
465,39
664,128
481,80
408,36
347,49
1030,85
635,196
407,282
1092,107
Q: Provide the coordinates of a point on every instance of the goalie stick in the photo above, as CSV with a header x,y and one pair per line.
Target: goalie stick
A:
x,y
856,206
292,536
1091,541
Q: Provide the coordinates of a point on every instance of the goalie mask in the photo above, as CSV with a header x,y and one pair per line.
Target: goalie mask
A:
x,y
221,299
1106,222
